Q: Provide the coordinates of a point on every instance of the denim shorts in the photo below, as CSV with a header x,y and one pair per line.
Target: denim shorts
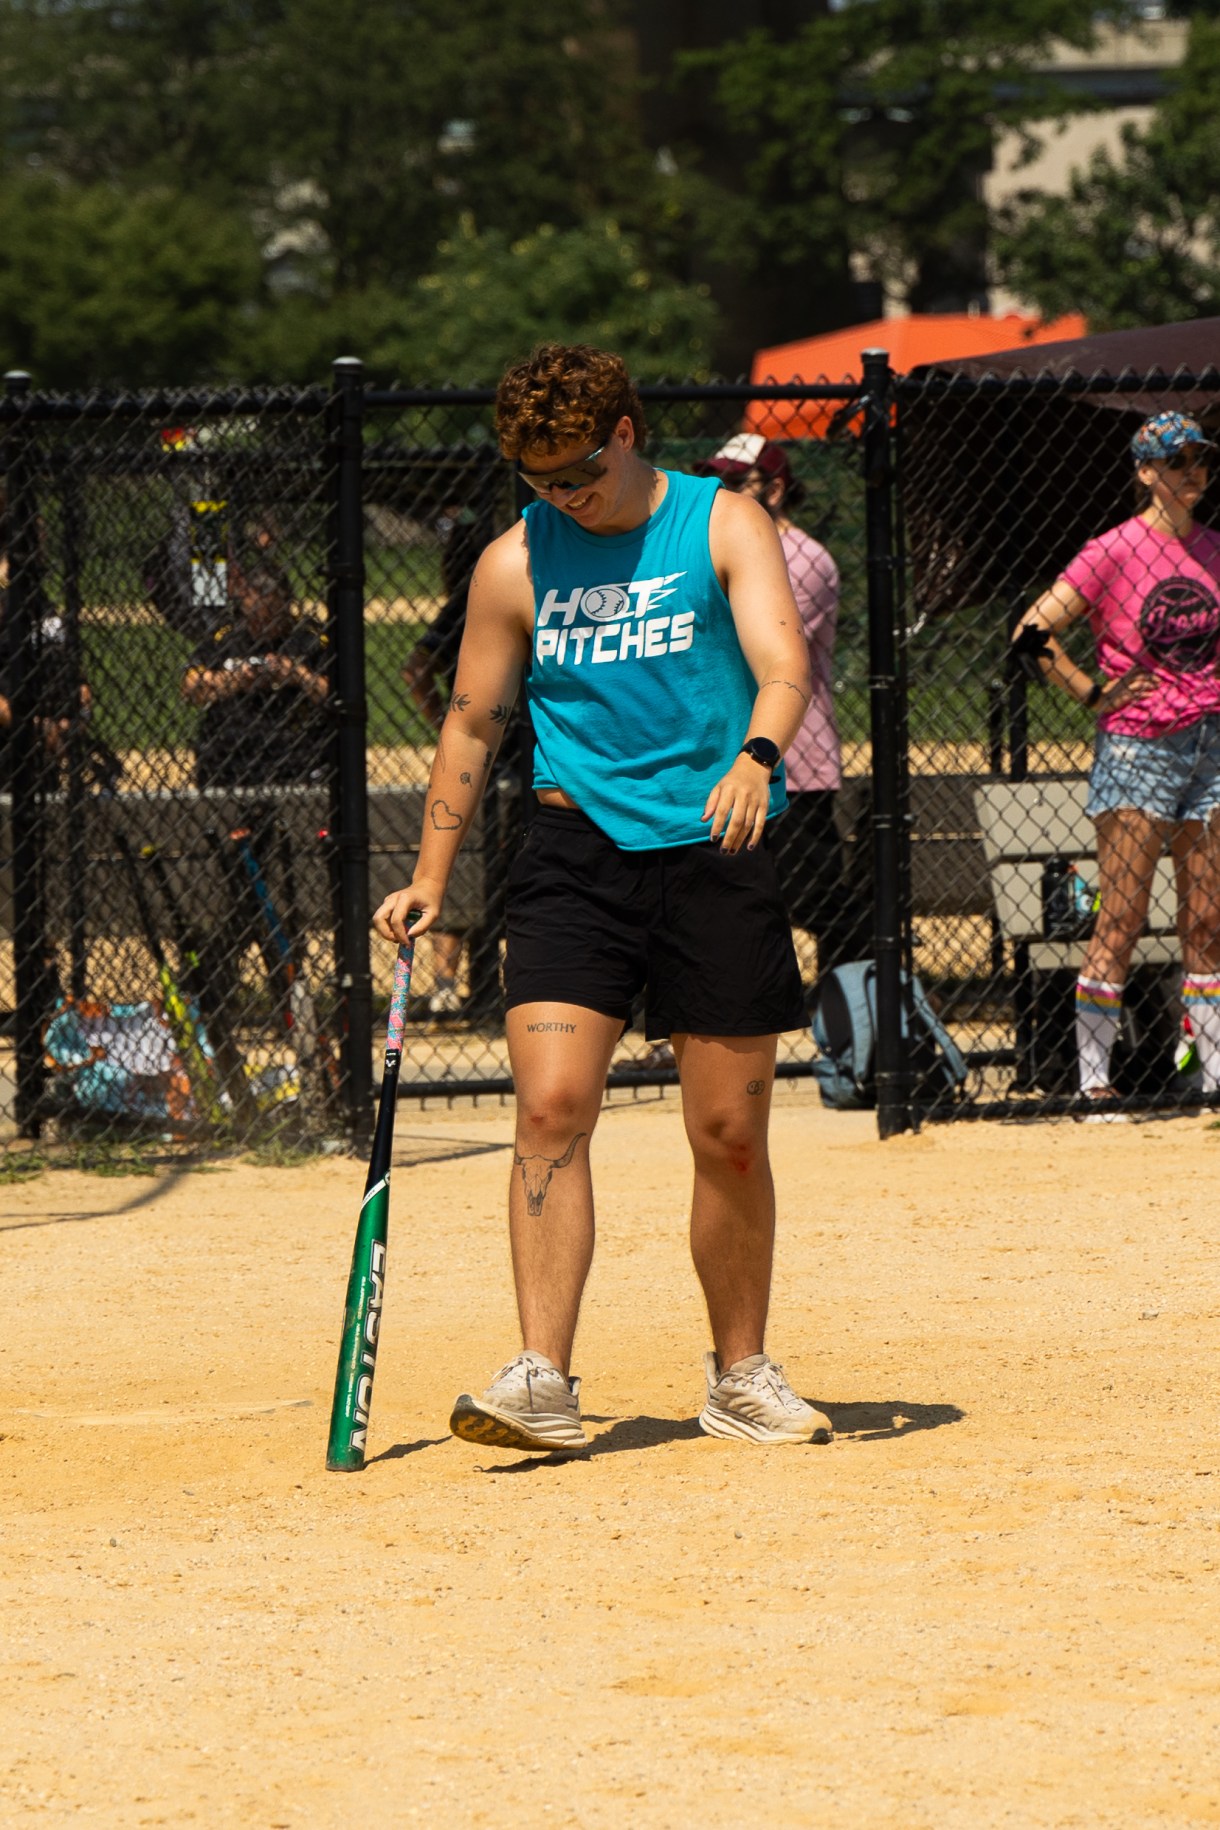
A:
x,y
1174,777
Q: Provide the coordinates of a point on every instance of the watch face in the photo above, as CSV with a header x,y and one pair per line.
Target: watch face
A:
x,y
763,751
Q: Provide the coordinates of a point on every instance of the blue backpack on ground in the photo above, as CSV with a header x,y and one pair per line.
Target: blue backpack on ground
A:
x,y
845,1031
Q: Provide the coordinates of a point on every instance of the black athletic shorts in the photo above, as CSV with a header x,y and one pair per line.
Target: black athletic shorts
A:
x,y
703,931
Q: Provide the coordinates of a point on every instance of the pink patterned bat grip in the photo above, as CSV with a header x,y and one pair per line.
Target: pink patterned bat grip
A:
x,y
398,998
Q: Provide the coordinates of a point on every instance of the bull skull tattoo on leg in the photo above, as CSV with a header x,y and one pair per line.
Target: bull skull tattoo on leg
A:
x,y
536,1173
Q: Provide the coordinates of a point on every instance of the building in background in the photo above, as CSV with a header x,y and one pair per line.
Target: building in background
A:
x,y
1122,79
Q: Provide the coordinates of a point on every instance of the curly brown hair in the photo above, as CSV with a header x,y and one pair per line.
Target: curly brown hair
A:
x,y
565,394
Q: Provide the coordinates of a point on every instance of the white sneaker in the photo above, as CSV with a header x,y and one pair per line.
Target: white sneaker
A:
x,y
529,1405
1100,1107
753,1399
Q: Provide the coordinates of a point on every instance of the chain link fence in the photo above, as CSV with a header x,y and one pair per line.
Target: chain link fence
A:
x,y
1002,483
230,631
170,767
230,628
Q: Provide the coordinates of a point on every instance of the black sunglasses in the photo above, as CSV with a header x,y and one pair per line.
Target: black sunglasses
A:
x,y
572,477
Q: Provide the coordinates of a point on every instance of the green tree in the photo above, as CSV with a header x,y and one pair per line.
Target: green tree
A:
x,y
101,288
488,299
863,140
349,140
140,93
1136,238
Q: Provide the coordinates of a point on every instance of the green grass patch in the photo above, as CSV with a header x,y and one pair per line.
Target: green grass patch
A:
x,y
21,1166
109,1158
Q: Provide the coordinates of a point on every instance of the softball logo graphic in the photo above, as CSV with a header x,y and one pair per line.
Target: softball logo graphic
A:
x,y
1180,622
606,602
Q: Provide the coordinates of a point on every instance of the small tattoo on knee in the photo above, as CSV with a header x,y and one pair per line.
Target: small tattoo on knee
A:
x,y
537,1170
755,1086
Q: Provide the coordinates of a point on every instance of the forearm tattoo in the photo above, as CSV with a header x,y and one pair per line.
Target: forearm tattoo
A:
x,y
443,818
792,688
536,1173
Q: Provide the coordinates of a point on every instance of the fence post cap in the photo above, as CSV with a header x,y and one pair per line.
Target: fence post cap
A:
x,y
347,362
16,380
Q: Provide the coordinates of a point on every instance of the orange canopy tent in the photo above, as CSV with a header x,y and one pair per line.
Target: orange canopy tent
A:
x,y
930,337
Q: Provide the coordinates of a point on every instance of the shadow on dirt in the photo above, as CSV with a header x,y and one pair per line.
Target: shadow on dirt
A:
x,y
630,1433
889,1418
163,1185
875,1422
414,1151
399,1450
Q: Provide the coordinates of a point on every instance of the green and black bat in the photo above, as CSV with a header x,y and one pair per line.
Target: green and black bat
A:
x,y
178,1012
349,1415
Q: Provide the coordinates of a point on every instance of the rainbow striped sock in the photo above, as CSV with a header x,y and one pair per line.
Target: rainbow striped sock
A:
x,y
1201,996
1098,1006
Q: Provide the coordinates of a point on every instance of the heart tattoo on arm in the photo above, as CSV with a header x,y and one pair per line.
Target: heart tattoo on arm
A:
x,y
443,818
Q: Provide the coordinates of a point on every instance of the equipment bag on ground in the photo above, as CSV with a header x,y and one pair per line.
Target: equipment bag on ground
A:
x,y
845,1030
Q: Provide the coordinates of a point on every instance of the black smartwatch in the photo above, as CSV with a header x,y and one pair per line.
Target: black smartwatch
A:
x,y
761,750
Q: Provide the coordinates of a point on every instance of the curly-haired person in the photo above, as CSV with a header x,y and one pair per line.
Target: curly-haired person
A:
x,y
650,617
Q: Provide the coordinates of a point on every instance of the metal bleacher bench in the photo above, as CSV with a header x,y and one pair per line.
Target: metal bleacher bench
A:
x,y
177,823
1026,823
948,874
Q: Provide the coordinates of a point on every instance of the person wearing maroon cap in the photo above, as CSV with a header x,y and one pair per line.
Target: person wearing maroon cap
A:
x,y
808,849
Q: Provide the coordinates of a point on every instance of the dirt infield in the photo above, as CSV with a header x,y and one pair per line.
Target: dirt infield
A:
x,y
992,1601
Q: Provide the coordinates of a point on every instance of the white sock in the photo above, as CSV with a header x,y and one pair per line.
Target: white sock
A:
x,y
1201,996
1098,1007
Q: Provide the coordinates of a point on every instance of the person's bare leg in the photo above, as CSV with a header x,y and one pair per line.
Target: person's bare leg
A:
x,y
1196,857
1195,848
1129,844
726,1103
446,953
560,1054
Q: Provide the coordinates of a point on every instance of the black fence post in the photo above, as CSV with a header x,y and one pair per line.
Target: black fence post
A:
x,y
75,797
28,754
885,719
350,821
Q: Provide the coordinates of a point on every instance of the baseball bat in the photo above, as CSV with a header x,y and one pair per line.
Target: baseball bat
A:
x,y
177,1010
349,1414
200,976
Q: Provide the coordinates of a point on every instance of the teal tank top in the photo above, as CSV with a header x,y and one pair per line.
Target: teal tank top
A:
x,y
638,689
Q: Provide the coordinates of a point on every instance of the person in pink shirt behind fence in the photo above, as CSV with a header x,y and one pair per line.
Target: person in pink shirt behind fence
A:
x,y
808,849
1150,589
